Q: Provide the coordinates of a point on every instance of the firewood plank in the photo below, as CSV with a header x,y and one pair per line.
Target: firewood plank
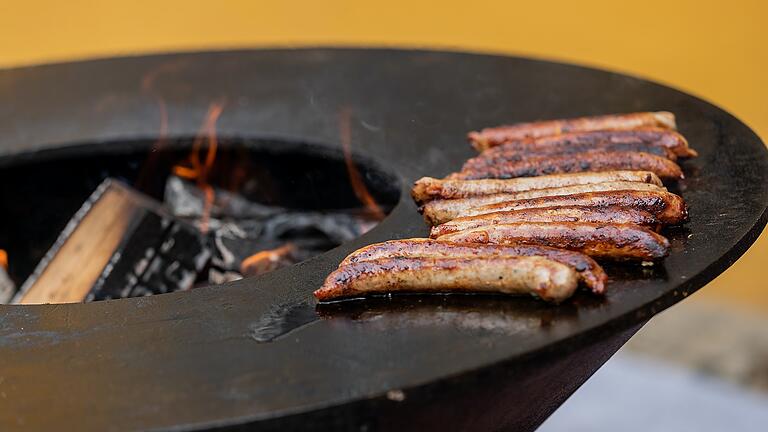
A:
x,y
78,262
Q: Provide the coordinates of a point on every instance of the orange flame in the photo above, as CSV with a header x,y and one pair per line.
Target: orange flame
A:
x,y
355,178
147,85
148,88
149,167
266,261
199,170
3,259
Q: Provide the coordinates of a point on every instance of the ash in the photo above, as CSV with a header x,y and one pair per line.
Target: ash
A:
x,y
248,238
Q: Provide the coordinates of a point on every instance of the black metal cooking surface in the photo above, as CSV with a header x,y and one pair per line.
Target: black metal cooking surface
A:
x,y
258,353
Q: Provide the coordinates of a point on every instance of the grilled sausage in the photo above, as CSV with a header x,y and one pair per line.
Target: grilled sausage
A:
x,y
579,162
652,137
491,137
428,188
668,208
611,241
590,273
509,155
611,214
547,279
483,200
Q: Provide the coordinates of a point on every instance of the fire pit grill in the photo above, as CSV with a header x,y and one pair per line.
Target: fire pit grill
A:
x,y
265,193
257,352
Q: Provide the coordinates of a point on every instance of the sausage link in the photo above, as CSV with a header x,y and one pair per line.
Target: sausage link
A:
x,y
610,214
610,241
653,137
544,278
494,136
579,162
590,273
428,188
484,200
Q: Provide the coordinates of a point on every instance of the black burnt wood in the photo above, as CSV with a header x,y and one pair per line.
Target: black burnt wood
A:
x,y
220,358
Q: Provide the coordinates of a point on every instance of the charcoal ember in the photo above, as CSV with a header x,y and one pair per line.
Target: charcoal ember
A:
x,y
7,287
161,256
184,245
230,251
141,291
336,227
309,234
249,238
268,260
235,240
243,228
186,200
136,252
218,277
166,275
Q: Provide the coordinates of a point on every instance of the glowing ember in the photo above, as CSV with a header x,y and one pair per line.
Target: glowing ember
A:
x,y
355,178
197,168
268,260
3,259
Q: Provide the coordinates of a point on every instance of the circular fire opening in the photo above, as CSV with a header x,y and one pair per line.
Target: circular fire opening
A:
x,y
256,205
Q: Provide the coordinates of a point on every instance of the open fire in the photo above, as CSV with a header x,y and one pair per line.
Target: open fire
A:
x,y
197,168
208,227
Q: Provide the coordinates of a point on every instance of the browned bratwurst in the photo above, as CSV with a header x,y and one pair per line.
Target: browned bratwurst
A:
x,y
610,214
494,136
493,158
611,241
590,273
483,200
542,277
668,208
428,188
578,162
652,137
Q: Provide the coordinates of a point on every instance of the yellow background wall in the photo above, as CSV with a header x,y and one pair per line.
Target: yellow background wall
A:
x,y
714,49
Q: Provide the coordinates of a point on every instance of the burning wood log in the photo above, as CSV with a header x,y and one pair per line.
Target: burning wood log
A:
x,y
121,243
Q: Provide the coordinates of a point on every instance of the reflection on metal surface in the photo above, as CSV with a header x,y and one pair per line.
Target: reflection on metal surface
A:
x,y
467,312
281,320
472,313
621,272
